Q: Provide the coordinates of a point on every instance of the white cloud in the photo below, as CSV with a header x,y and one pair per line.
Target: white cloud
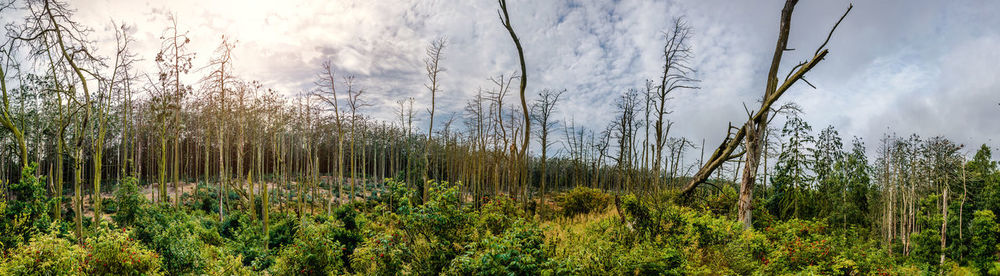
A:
x,y
913,66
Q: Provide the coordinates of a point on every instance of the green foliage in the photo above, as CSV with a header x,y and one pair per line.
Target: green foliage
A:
x,y
314,251
177,236
45,255
129,202
723,202
791,198
437,229
107,252
390,235
640,217
397,195
246,241
518,250
984,180
282,230
983,248
206,198
113,252
927,242
582,200
803,245
607,247
495,216
442,217
222,263
385,249
28,213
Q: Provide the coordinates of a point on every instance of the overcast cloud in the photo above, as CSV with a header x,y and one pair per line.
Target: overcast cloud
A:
x,y
924,67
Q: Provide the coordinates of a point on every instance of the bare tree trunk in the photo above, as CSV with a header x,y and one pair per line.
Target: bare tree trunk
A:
x,y
522,157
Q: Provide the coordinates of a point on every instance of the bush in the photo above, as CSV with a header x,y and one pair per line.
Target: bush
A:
x,y
45,255
582,200
247,242
205,198
438,229
984,249
282,230
314,252
28,212
176,235
397,195
496,216
222,263
607,247
113,252
129,202
518,250
809,246
748,252
384,251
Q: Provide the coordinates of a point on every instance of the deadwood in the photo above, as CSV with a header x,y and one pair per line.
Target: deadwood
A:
x,y
758,119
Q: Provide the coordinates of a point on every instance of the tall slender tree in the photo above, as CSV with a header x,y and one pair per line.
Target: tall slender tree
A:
x,y
522,156
542,115
432,64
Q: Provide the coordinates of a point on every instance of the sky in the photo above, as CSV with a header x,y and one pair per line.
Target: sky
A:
x,y
895,66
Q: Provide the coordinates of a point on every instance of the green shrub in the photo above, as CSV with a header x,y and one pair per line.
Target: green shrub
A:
x,y
346,214
496,216
582,200
113,252
248,243
438,229
28,211
722,202
129,202
282,230
608,247
984,249
45,255
518,250
397,195
314,252
641,218
205,198
384,251
176,235
748,252
219,262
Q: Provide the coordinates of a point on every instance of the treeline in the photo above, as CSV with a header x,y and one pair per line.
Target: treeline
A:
x,y
918,196
87,120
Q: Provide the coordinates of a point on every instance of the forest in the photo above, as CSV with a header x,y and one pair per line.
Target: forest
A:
x,y
112,170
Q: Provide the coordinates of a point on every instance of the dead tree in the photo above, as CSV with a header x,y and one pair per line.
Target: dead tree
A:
x,y
542,109
505,19
754,128
432,65
174,60
326,80
676,75
218,81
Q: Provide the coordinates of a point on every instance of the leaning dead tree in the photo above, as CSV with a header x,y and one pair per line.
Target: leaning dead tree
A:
x,y
505,19
754,128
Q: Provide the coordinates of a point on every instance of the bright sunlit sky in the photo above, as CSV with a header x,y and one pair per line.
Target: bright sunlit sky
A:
x,y
924,67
